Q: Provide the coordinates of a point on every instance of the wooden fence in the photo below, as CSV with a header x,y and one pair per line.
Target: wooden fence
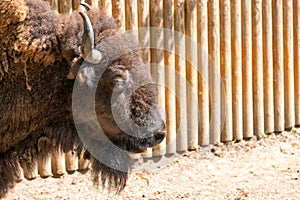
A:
x,y
254,46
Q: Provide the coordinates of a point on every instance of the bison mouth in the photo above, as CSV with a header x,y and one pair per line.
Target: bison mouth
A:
x,y
137,144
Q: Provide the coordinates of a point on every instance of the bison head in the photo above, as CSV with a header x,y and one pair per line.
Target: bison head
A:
x,y
115,104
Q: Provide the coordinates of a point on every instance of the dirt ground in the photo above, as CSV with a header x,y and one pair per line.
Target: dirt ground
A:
x,y
264,169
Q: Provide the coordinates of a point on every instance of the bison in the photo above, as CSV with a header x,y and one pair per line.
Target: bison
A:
x,y
41,54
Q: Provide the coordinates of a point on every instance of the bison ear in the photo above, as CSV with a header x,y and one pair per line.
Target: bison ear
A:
x,y
88,52
84,75
75,66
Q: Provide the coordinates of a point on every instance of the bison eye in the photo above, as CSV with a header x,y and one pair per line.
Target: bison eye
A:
x,y
121,82
120,78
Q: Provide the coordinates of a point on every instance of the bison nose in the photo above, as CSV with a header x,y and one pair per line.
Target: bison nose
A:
x,y
159,136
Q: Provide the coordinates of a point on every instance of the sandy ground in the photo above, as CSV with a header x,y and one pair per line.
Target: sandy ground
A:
x,y
264,169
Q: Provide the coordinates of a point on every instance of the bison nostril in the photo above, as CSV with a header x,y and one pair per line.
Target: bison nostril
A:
x,y
160,135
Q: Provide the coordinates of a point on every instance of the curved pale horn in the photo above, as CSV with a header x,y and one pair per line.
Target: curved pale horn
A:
x,y
86,6
87,46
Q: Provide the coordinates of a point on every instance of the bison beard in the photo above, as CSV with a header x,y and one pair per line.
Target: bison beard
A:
x,y
9,171
38,50
112,166
111,177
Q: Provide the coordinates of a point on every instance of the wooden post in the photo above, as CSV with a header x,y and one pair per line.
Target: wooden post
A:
x,y
191,73
144,22
257,62
268,66
225,64
65,6
289,103
93,3
71,161
118,12
247,70
278,66
106,3
105,6
30,169
297,59
214,70
54,4
157,59
58,162
44,157
203,97
169,58
236,59
181,110
76,4
83,164
131,17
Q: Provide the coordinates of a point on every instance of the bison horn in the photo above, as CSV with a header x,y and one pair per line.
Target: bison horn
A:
x,y
86,6
87,47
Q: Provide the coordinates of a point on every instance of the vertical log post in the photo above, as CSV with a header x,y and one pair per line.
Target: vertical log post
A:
x,y
131,17
247,70
54,4
44,157
191,73
278,66
257,62
71,161
83,164
203,97
225,64
297,60
236,58
169,58
65,6
181,110
76,4
57,162
93,3
88,1
118,12
30,168
157,59
144,36
214,70
105,6
289,103
97,3
268,66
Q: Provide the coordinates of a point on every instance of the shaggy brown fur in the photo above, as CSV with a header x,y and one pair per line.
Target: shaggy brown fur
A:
x,y
38,49
15,11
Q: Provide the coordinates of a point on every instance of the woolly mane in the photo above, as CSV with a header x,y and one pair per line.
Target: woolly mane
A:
x,y
37,47
38,50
